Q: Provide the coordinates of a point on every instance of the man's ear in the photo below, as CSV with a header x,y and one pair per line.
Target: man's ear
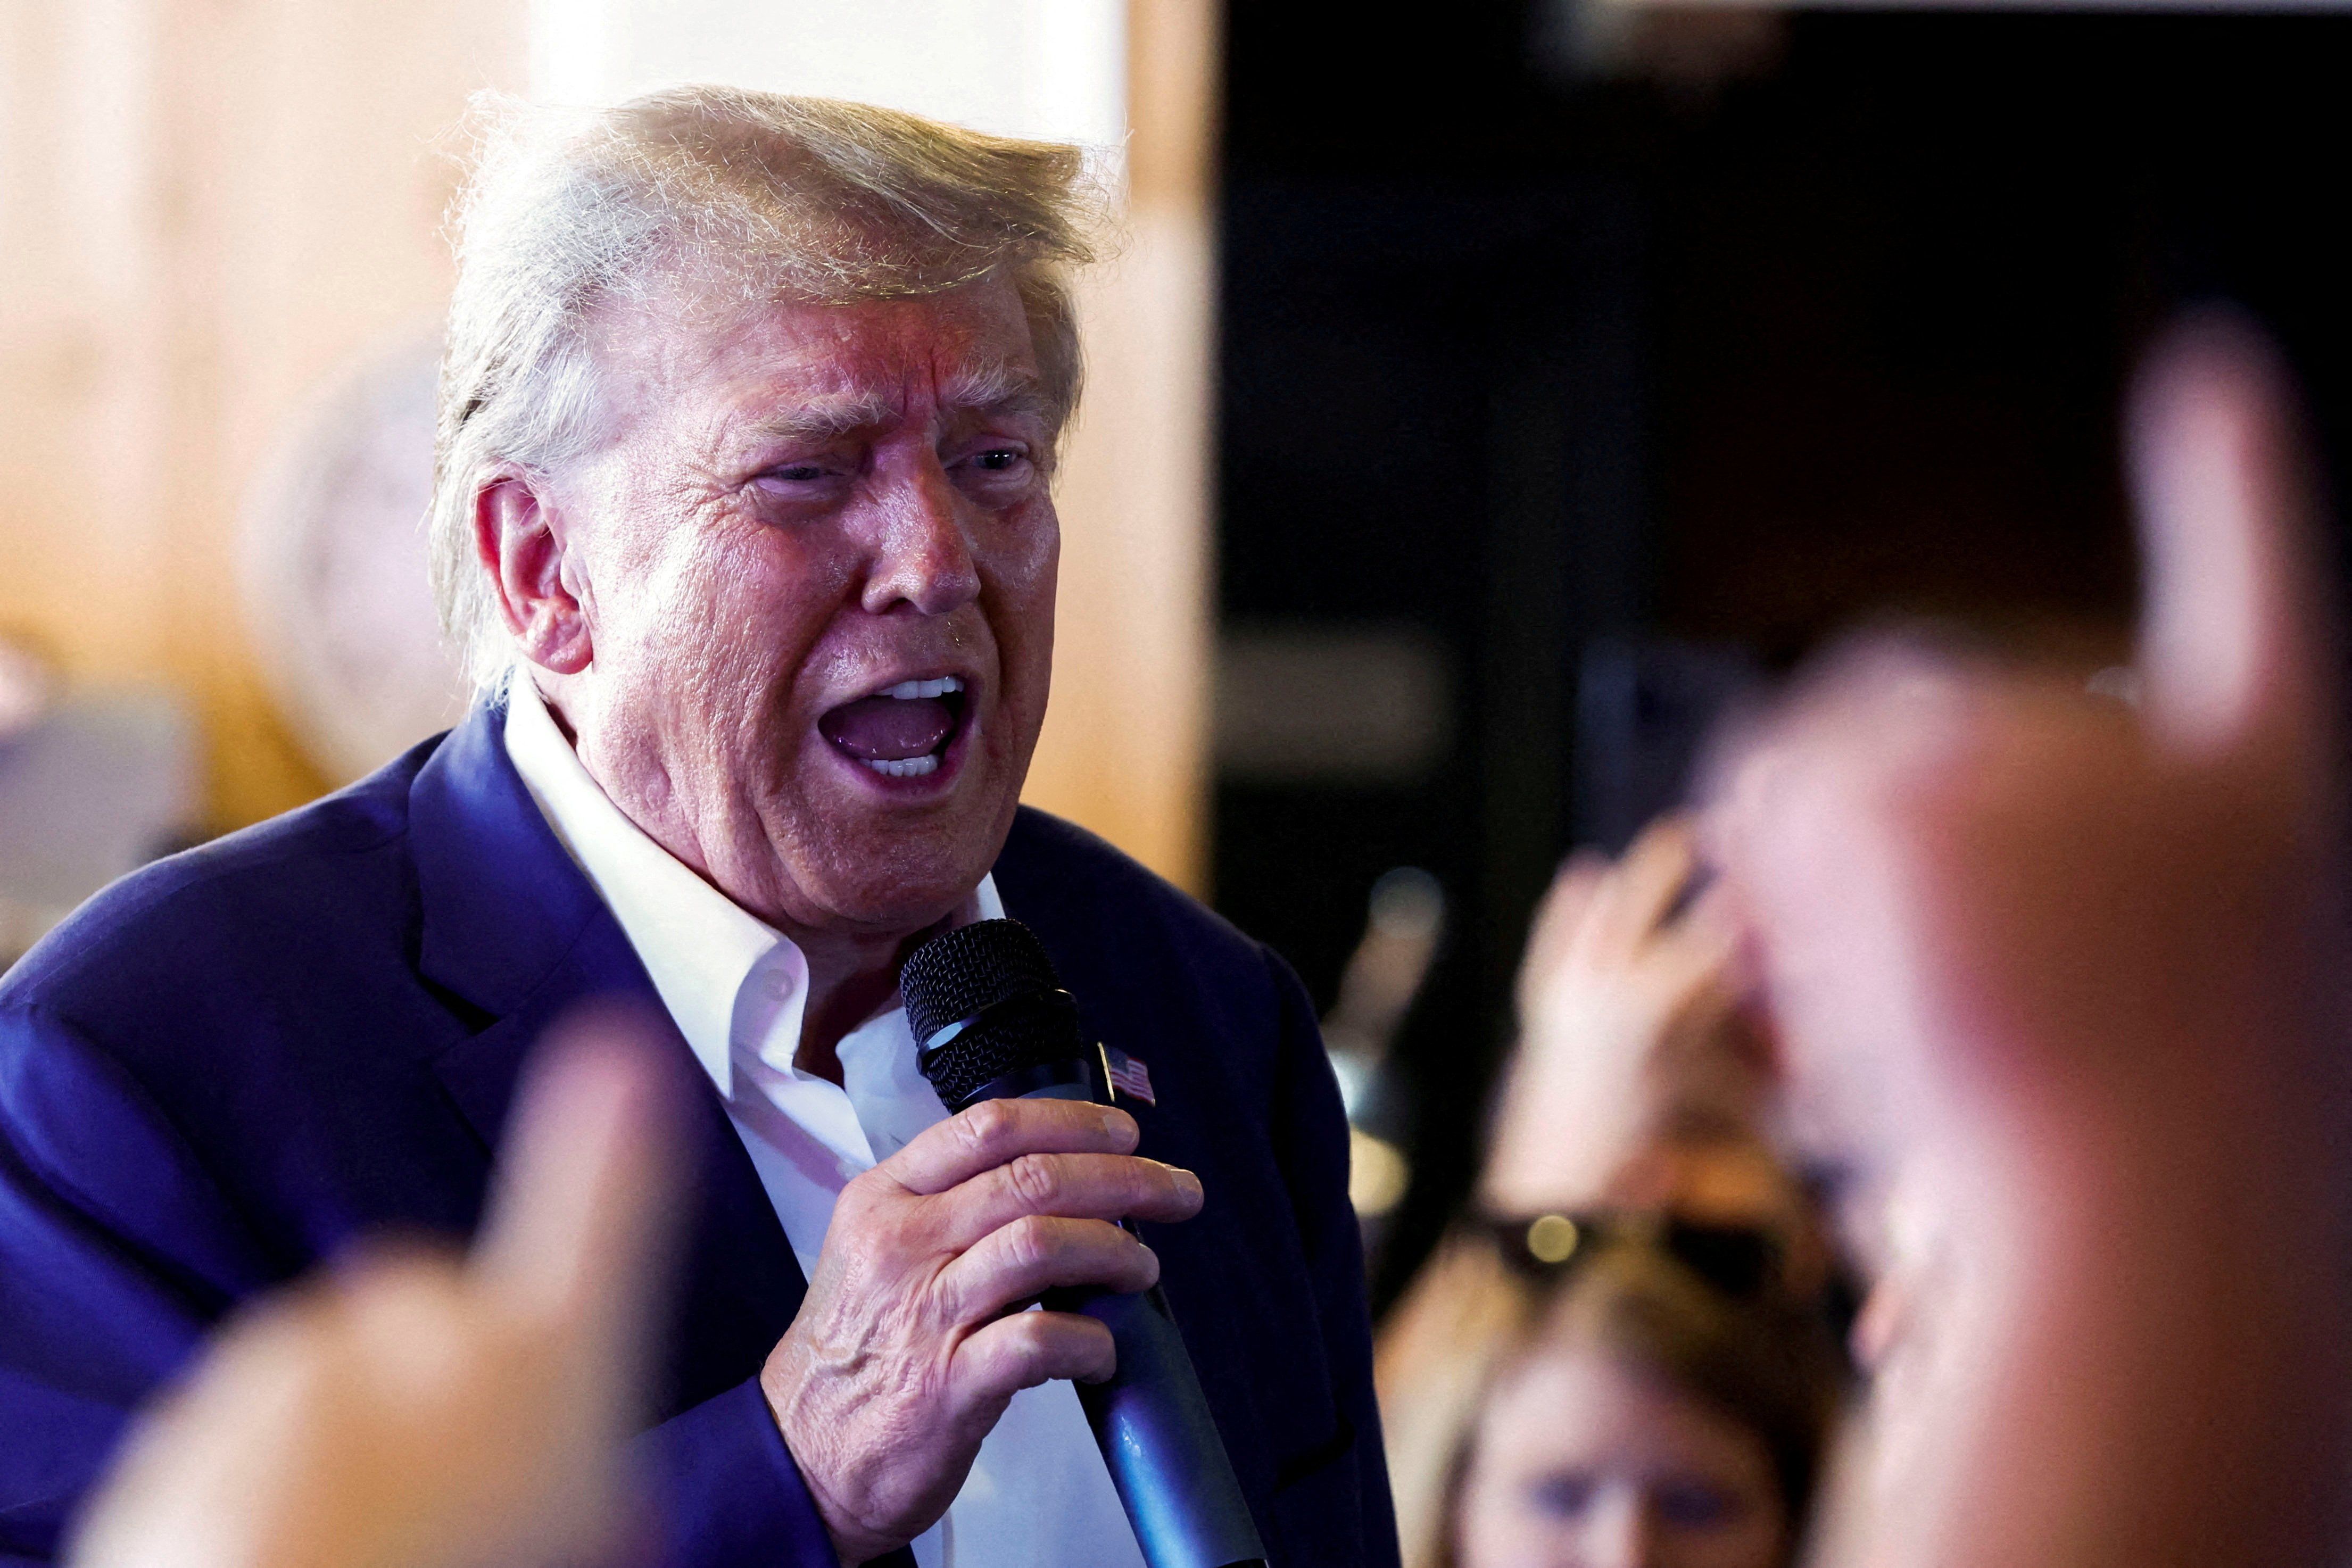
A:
x,y
520,536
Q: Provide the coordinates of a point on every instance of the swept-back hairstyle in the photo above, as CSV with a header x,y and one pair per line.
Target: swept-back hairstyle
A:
x,y
743,197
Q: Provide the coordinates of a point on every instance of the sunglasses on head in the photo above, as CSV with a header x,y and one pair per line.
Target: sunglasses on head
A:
x,y
1742,1261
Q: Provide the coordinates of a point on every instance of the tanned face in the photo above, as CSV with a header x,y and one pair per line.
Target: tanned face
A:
x,y
812,568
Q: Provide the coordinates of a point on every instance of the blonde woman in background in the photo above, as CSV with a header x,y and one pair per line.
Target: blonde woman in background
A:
x,y
1618,1364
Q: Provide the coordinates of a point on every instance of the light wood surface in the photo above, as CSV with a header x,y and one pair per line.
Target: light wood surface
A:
x,y
1125,748
207,209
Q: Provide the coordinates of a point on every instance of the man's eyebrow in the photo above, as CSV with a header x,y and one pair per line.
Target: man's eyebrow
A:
x,y
996,390
822,419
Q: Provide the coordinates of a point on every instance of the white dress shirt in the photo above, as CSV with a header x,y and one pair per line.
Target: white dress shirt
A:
x,y
1038,1496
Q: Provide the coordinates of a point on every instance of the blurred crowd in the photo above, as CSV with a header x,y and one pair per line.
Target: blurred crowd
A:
x,y
1929,1152
1628,1352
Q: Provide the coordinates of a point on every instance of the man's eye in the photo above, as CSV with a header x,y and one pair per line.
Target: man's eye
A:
x,y
1563,1496
1698,1505
1000,459
797,473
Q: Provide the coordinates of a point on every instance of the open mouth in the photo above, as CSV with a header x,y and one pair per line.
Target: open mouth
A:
x,y
903,732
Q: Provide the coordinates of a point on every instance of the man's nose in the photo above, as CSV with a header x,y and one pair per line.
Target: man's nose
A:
x,y
923,554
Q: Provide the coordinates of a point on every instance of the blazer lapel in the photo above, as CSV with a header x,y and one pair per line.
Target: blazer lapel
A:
x,y
512,927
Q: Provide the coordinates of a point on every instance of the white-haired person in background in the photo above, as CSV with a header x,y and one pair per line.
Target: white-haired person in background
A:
x,y
744,517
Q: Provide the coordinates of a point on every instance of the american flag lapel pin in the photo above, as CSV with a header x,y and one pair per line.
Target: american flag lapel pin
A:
x,y
1126,1075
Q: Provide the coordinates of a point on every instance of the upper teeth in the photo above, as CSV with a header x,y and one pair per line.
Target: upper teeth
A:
x,y
938,688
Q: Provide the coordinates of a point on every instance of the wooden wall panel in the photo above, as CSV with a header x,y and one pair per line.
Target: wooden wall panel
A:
x,y
1125,748
207,205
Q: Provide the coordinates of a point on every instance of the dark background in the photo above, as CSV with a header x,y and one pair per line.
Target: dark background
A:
x,y
1567,363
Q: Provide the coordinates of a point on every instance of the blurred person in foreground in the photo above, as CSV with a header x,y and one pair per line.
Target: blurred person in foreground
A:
x,y
2058,985
744,518
411,1408
1621,1361
2055,986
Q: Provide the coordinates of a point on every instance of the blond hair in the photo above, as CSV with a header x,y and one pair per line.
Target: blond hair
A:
x,y
747,198
1470,1318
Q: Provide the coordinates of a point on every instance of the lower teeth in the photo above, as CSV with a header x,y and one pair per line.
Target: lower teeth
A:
x,y
909,768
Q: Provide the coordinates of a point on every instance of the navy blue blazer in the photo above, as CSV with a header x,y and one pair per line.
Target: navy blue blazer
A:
x,y
229,1065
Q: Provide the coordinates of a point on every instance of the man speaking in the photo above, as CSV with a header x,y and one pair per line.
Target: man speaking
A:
x,y
743,517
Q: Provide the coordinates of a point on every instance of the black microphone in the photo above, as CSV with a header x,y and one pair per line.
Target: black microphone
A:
x,y
993,1022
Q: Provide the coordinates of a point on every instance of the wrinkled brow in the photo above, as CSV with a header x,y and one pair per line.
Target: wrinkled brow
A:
x,y
825,419
994,391
999,389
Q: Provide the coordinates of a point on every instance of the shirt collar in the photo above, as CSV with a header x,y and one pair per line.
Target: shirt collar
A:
x,y
698,947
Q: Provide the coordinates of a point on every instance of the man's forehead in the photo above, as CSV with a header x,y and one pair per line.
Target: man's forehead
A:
x,y
964,380
968,347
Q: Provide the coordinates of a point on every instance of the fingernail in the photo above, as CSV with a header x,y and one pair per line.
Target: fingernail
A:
x,y
1186,1182
1119,1125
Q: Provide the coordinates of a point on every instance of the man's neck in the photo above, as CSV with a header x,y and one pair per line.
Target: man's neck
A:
x,y
849,982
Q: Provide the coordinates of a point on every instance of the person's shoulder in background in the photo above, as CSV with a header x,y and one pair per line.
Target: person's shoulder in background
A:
x,y
256,904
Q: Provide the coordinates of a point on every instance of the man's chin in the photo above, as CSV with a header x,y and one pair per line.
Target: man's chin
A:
x,y
901,906
889,855
900,877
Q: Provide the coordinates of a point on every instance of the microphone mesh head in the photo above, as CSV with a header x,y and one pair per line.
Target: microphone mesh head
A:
x,y
996,964
957,973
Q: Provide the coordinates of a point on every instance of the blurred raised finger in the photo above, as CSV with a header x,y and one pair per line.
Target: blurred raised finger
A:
x,y
1565,905
1559,920
2232,634
584,1176
1643,889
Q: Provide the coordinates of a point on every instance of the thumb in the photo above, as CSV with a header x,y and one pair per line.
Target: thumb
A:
x,y
583,1185
2234,634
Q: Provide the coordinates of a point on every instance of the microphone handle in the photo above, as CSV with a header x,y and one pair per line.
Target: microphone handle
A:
x,y
1153,1425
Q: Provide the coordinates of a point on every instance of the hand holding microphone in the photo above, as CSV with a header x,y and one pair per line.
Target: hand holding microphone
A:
x,y
908,1348
996,1028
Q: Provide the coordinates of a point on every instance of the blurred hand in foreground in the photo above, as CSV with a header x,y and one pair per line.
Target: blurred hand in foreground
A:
x,y
416,1409
1635,1081
2058,976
